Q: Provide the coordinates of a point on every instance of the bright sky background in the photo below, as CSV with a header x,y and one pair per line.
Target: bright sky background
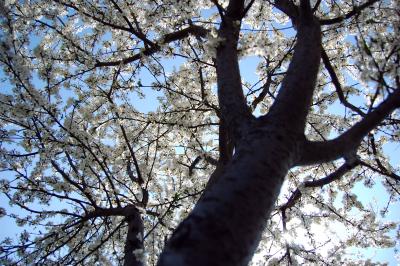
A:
x,y
376,195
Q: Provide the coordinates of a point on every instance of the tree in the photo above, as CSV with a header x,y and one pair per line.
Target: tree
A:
x,y
95,177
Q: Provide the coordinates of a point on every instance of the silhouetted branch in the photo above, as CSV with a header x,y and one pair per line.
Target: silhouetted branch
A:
x,y
356,10
296,195
318,152
336,83
170,37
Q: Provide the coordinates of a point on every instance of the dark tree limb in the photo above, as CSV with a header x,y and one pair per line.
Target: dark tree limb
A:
x,y
192,166
315,8
295,95
134,248
289,8
235,9
247,8
356,10
348,142
382,169
167,38
225,147
338,86
106,212
233,106
336,175
220,9
264,92
210,160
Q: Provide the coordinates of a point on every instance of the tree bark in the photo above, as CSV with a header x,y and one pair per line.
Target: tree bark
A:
x,y
134,248
226,224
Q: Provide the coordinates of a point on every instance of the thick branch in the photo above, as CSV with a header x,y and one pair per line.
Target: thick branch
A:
x,y
287,7
222,229
318,152
233,106
247,8
235,9
192,166
293,101
221,10
291,10
134,240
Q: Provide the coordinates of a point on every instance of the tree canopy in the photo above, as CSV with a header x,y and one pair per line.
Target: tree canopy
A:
x,y
117,116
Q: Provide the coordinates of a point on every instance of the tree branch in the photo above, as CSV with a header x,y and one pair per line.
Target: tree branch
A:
x,y
296,195
289,8
235,9
295,95
382,169
106,212
319,152
315,8
137,33
233,105
220,9
338,86
192,166
292,11
356,10
167,38
134,248
247,8
264,92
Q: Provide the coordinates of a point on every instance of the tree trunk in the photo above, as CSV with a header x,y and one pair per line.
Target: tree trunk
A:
x,y
226,224
134,249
